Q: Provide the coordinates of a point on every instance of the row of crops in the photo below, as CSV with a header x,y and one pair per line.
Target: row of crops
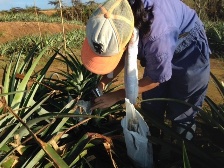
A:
x,y
23,45
214,31
45,122
32,17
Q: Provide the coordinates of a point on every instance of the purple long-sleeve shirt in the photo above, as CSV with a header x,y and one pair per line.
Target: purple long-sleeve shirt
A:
x,y
171,19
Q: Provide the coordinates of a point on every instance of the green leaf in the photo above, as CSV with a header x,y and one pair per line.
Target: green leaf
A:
x,y
18,97
58,161
29,99
10,132
77,149
218,85
8,163
23,132
216,111
33,159
6,82
185,157
5,148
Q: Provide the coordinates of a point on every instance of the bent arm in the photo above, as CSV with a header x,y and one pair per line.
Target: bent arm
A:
x,y
145,84
111,98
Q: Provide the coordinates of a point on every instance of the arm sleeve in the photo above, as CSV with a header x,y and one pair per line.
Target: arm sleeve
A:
x,y
159,54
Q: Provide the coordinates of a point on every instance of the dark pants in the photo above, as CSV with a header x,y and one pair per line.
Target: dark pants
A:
x,y
189,81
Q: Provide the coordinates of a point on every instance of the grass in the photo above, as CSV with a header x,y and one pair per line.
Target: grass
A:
x,y
31,17
23,45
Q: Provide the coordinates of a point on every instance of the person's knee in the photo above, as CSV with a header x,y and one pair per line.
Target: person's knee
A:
x,y
185,129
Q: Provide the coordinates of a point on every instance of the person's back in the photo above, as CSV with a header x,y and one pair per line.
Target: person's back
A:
x,y
177,14
171,15
176,55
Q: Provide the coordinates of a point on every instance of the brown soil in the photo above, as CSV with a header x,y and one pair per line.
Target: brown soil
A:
x,y
12,30
49,12
217,68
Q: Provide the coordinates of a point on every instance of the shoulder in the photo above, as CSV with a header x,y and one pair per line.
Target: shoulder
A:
x,y
163,43
161,34
163,22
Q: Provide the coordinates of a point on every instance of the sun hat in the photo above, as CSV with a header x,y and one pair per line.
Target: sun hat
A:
x,y
108,31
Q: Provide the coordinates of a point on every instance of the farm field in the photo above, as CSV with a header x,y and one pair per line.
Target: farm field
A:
x,y
12,30
45,117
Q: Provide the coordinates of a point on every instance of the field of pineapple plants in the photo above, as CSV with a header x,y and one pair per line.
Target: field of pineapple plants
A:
x,y
45,99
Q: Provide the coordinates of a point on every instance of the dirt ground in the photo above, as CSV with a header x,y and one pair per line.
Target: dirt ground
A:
x,y
12,30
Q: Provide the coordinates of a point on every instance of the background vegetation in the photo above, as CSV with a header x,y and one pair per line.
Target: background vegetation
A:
x,y
45,119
